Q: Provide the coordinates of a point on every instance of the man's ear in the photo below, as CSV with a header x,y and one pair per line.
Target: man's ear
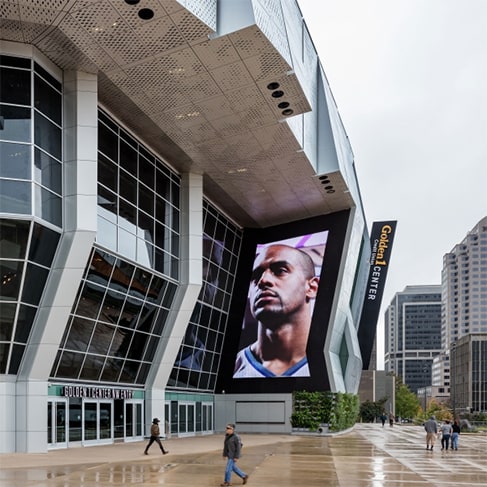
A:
x,y
313,285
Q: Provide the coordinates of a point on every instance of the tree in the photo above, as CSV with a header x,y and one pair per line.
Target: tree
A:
x,y
369,410
407,403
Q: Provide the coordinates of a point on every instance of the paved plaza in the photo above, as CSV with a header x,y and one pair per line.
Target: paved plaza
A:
x,y
367,456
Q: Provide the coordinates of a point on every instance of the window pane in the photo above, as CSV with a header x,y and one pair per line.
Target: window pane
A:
x,y
7,317
128,187
17,354
47,135
4,349
15,161
127,244
43,245
47,171
48,205
102,339
11,272
107,142
35,279
80,334
15,197
107,173
90,301
13,242
15,123
128,158
15,86
108,204
16,62
106,234
146,171
24,323
47,100
70,365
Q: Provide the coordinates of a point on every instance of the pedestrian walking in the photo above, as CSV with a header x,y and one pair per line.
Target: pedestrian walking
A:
x,y
383,418
455,436
431,429
446,431
391,420
155,433
231,451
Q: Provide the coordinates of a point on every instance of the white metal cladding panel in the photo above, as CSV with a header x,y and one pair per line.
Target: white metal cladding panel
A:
x,y
205,10
269,18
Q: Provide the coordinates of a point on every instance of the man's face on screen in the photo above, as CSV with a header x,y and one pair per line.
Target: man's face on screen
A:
x,y
281,284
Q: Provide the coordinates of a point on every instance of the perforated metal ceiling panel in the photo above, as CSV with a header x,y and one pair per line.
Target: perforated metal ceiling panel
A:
x,y
202,103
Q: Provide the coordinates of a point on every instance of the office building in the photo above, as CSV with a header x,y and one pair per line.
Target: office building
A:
x,y
464,287
149,150
468,392
464,318
413,334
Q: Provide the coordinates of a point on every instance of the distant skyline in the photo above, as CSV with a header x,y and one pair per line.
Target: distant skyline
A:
x,y
409,78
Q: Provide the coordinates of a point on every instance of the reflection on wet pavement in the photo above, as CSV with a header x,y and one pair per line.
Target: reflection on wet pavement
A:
x,y
368,456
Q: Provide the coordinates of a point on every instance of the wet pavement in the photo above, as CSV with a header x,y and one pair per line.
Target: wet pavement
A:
x,y
367,456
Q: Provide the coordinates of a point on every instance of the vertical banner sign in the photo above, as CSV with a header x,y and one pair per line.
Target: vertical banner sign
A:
x,y
381,239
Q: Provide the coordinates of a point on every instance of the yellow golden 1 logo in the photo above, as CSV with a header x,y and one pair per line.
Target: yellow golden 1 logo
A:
x,y
383,245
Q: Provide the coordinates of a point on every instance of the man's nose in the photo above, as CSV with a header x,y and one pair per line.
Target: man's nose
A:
x,y
265,278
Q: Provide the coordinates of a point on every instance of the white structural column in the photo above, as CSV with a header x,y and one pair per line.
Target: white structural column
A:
x,y
80,208
191,271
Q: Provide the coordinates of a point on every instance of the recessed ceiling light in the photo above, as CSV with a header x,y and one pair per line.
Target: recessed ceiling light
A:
x,y
287,112
273,86
146,13
132,2
277,94
283,104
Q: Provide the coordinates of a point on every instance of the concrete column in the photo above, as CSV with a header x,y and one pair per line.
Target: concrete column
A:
x,y
79,232
191,269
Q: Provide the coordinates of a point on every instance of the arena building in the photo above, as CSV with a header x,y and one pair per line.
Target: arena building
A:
x,y
150,149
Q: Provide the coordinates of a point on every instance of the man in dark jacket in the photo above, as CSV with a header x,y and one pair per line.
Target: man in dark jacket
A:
x,y
154,436
231,451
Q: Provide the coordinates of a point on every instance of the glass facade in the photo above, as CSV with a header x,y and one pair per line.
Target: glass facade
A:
x,y
26,254
122,305
138,201
30,189
116,323
30,140
198,359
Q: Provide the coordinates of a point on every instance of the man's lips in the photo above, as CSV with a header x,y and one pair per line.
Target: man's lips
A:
x,y
263,297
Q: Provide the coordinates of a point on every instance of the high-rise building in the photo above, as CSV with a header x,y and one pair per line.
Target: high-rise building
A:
x,y
464,287
149,152
413,334
464,319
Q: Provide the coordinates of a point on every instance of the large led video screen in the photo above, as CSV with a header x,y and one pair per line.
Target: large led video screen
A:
x,y
286,281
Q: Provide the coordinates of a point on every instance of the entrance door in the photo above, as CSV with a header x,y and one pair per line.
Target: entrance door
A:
x,y
207,417
133,420
56,424
186,420
97,422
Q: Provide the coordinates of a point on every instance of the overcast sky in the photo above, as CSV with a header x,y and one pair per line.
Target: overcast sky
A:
x,y
410,81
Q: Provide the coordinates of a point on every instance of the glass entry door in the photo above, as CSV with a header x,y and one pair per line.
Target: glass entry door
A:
x,y
134,420
186,418
207,417
97,422
56,424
